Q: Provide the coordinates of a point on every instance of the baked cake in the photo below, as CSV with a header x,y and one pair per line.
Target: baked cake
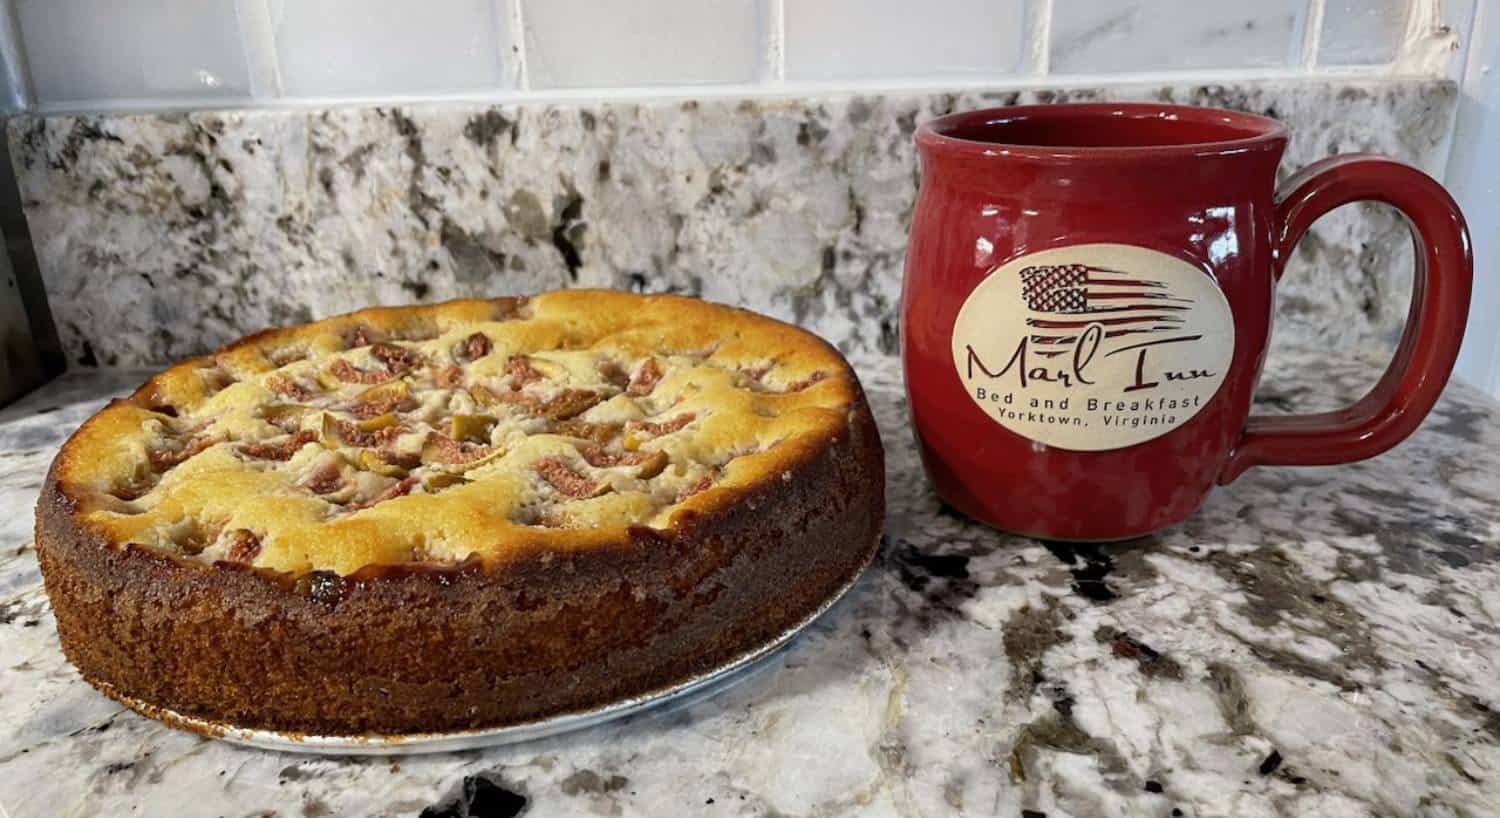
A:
x,y
458,516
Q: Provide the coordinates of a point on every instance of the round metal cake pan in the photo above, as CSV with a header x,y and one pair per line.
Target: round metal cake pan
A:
x,y
695,688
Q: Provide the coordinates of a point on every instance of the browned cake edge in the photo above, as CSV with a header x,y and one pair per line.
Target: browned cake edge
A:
x,y
425,649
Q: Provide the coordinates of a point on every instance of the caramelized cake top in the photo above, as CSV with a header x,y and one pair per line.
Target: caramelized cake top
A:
x,y
469,429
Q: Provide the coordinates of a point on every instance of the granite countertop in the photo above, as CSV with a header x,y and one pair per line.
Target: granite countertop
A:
x,y
1318,642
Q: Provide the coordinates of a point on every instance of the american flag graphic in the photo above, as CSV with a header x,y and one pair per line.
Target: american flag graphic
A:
x,y
1066,298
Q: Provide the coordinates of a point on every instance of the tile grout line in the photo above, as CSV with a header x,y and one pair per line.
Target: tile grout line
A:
x,y
1039,38
12,52
1312,34
258,36
776,45
512,9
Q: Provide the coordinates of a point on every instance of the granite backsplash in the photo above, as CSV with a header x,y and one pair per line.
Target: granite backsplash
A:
x,y
163,235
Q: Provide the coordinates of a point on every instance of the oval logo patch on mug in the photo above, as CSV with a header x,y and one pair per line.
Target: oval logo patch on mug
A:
x,y
1094,346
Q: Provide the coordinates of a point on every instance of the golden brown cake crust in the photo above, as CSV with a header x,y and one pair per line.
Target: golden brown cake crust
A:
x,y
528,628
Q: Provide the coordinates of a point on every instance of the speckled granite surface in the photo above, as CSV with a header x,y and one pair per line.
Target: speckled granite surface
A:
x,y
163,235
1316,642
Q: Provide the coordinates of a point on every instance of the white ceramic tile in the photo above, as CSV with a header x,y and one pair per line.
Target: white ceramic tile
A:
x,y
1090,36
837,39
1361,32
384,47
586,43
101,49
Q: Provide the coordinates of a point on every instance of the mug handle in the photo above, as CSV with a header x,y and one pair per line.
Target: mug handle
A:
x,y
1434,325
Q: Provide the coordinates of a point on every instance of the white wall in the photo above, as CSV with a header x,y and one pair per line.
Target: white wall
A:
x,y
92,54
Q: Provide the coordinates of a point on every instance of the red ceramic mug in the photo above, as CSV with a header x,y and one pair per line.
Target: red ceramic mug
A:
x,y
1088,294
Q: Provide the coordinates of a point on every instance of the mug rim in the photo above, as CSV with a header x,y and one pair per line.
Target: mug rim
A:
x,y
1264,132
